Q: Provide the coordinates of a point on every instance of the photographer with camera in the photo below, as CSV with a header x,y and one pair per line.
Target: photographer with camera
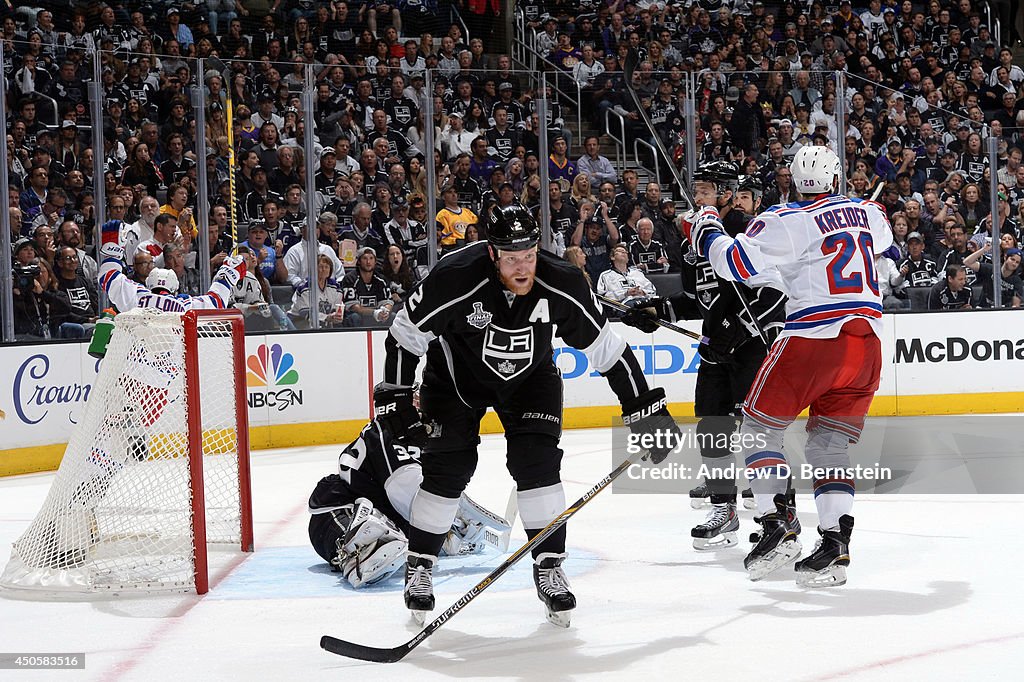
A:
x,y
41,310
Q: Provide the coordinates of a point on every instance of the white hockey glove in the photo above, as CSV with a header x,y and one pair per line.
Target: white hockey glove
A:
x,y
232,272
110,249
698,227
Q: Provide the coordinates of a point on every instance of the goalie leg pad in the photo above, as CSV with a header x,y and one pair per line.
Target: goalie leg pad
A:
x,y
475,527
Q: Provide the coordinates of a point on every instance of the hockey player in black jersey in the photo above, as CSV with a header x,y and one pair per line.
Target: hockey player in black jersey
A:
x,y
484,317
733,349
359,517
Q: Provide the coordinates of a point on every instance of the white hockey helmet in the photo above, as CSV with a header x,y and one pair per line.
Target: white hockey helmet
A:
x,y
815,169
162,278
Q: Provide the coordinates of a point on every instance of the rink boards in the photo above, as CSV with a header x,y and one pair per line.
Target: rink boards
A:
x,y
306,389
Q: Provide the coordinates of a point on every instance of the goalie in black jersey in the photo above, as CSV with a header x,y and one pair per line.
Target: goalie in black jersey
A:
x,y
484,318
360,515
733,348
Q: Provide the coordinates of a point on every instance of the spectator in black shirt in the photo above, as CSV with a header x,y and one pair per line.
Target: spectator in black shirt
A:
x,y
917,269
952,293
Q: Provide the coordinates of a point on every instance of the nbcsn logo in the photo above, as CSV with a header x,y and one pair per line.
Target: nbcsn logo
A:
x,y
269,369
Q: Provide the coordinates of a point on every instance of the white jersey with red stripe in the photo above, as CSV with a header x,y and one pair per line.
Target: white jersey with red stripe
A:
x,y
824,250
126,294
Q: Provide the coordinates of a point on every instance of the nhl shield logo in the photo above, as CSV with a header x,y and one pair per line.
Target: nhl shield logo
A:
x,y
508,352
479,318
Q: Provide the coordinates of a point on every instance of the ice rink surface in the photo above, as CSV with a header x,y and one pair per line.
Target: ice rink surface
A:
x,y
934,593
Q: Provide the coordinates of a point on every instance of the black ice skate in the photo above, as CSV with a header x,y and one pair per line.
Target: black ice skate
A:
x,y
419,585
719,529
826,566
794,521
553,588
777,544
700,497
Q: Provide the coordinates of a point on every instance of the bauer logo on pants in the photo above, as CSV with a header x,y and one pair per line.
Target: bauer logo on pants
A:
x,y
508,352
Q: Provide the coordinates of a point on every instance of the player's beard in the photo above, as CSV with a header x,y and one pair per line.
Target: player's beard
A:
x,y
518,284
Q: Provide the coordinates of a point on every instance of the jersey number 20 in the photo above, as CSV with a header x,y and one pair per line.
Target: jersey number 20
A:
x,y
845,248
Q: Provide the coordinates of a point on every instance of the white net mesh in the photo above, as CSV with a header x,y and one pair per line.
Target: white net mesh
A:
x,y
119,514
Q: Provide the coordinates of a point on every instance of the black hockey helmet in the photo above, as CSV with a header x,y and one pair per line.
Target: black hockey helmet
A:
x,y
723,174
512,228
752,184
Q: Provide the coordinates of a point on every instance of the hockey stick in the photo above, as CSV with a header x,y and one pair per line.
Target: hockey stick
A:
x,y
611,303
628,68
395,654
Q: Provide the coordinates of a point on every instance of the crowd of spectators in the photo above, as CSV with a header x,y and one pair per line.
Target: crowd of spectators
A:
x,y
924,85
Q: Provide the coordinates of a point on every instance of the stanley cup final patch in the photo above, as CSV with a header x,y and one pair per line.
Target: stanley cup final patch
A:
x,y
508,352
479,318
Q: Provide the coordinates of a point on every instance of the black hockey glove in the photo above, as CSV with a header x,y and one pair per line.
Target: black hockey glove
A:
x,y
719,349
393,408
647,414
642,317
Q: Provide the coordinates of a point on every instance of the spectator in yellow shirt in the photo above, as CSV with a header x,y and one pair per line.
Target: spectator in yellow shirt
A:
x,y
452,220
177,197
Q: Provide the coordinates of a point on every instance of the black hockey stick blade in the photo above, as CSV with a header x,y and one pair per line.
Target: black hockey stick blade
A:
x,y
612,303
395,654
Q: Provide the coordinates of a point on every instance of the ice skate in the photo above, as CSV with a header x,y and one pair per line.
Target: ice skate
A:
x,y
719,529
826,566
700,497
791,517
553,588
777,544
748,499
419,586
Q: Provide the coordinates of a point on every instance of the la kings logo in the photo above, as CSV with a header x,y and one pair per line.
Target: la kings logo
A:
x,y
508,352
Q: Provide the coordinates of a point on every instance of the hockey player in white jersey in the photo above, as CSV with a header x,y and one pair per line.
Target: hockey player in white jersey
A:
x,y
828,356
126,294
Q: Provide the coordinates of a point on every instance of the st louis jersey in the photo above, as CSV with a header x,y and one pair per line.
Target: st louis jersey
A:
x,y
824,250
126,294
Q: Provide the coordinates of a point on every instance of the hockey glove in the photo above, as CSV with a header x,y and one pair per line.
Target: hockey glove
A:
x,y
643,317
393,408
720,348
647,415
232,272
110,249
699,227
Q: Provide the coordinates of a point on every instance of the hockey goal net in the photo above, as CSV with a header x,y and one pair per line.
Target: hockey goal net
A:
x,y
157,468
